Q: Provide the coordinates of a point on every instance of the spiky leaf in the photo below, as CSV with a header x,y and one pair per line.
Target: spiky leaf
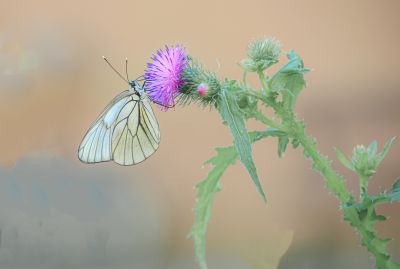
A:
x,y
289,79
233,117
206,190
205,197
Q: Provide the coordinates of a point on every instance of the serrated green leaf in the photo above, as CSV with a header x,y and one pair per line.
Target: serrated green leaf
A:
x,y
289,79
231,114
385,151
344,160
206,190
282,144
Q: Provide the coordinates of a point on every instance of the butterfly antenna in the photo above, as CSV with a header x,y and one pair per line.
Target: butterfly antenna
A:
x,y
115,70
126,69
140,78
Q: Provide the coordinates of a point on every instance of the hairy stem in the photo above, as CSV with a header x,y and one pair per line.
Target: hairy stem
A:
x,y
363,187
335,183
361,221
269,122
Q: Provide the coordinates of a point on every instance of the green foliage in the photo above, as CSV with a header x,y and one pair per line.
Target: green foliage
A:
x,y
378,247
208,187
239,102
289,80
233,117
205,198
365,160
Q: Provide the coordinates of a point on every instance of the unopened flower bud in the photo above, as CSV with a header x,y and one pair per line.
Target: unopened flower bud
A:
x,y
202,89
263,53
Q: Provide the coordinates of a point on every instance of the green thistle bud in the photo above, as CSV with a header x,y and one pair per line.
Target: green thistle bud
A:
x,y
264,50
364,160
263,53
200,85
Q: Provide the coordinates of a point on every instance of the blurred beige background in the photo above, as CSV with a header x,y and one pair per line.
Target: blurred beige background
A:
x,y
59,213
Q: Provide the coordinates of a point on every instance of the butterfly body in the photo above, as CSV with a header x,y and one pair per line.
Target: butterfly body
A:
x,y
126,131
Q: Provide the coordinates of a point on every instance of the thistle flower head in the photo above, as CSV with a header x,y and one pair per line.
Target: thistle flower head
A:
x,y
163,75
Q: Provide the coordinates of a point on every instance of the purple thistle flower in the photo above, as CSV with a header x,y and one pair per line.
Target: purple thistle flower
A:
x,y
163,75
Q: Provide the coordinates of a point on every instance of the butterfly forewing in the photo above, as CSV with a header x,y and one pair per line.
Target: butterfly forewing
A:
x,y
96,145
126,132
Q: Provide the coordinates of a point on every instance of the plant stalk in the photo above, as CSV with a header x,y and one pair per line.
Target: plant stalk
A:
x,y
334,182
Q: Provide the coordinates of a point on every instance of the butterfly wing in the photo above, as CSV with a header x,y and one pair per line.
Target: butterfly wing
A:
x,y
126,132
136,135
96,144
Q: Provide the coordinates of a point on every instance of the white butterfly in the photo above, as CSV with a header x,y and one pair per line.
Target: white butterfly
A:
x,y
126,131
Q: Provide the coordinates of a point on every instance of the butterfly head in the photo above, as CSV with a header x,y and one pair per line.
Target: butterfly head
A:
x,y
136,87
133,84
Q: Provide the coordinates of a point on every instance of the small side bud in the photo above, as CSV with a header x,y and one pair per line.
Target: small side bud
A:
x,y
202,89
364,160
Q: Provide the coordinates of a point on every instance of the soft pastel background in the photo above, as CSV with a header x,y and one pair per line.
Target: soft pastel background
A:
x,y
58,213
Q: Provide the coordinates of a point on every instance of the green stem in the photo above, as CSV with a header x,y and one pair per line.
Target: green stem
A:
x,y
363,187
334,182
376,246
271,123
263,81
